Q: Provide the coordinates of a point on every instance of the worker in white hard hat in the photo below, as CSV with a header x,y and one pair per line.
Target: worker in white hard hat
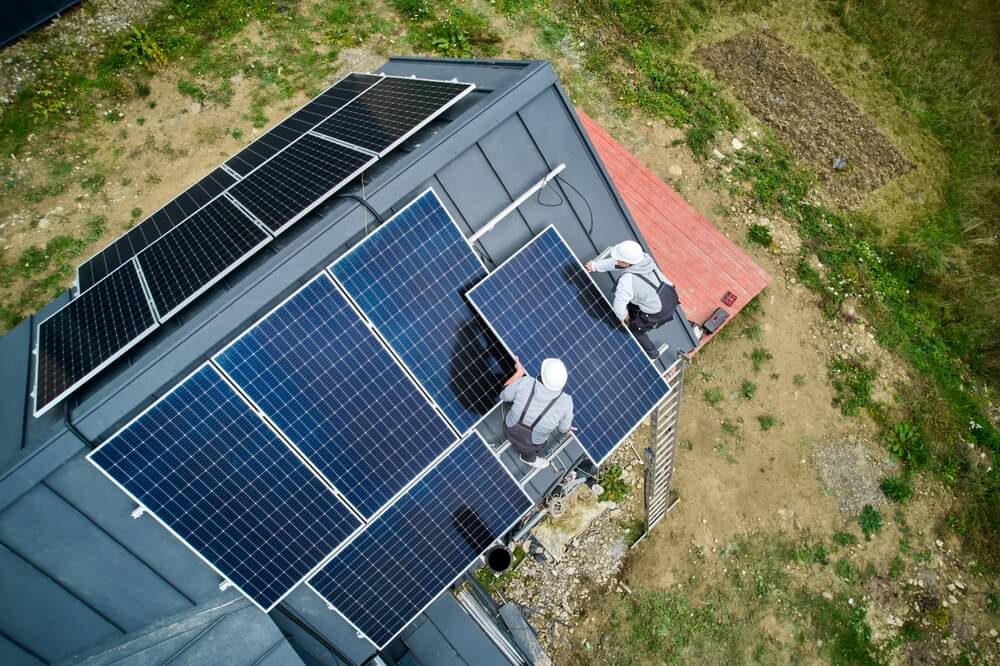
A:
x,y
538,408
644,298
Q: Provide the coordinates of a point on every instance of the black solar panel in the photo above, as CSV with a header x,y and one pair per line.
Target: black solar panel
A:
x,y
407,556
391,111
89,332
198,253
296,180
210,469
153,227
300,122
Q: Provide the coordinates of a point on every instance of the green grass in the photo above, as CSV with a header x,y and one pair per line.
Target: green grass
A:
x,y
767,421
747,389
799,380
896,488
870,521
759,356
852,381
713,396
753,332
612,480
759,234
498,584
844,539
730,428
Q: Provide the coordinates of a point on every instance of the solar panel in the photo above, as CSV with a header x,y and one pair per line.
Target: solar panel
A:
x,y
300,122
88,333
406,557
153,227
208,468
541,303
387,114
321,375
299,178
408,277
196,254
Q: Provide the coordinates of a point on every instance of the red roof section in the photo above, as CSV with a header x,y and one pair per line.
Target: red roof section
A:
x,y
701,262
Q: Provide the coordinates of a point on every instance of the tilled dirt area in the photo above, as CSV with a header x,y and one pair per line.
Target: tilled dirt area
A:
x,y
791,95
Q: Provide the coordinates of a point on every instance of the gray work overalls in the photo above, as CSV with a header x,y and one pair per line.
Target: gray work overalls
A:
x,y
639,322
519,434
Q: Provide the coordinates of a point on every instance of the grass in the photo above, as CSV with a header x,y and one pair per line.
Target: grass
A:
x,y
753,332
896,488
731,428
713,396
759,234
844,539
870,521
759,356
747,389
767,421
612,480
799,380
852,381
498,584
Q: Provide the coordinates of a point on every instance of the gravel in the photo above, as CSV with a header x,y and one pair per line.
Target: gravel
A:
x,y
850,474
80,32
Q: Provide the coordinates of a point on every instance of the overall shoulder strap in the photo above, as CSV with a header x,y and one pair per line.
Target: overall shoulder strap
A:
x,y
544,411
648,281
531,396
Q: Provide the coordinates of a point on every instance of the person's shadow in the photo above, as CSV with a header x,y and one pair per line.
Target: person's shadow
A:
x,y
478,367
473,529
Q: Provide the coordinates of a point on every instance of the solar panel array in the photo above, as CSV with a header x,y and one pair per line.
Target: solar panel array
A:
x,y
541,304
320,374
212,471
195,240
409,277
89,332
394,569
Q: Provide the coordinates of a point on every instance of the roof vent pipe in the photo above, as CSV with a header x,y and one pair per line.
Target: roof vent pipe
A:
x,y
488,227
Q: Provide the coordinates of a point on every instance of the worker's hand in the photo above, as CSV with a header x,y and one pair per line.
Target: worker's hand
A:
x,y
625,320
589,266
518,368
573,428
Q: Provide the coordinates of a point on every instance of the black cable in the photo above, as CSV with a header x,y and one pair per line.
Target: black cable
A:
x,y
590,211
76,431
538,197
363,202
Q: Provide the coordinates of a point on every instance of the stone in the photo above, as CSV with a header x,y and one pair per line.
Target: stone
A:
x,y
737,144
952,600
675,171
717,154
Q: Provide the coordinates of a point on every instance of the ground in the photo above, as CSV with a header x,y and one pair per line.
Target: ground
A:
x,y
793,417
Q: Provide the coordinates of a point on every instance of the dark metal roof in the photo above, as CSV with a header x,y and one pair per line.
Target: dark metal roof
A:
x,y
66,535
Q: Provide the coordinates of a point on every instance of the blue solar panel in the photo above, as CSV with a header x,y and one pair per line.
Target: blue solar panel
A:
x,y
394,569
542,304
320,374
408,277
213,473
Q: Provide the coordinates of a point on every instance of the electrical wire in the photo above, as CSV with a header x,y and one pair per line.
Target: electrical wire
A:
x,y
590,211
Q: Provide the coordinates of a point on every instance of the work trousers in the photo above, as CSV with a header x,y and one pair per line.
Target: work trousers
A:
x,y
638,323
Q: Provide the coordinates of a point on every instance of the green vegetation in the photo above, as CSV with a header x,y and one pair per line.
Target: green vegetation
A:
x,y
616,488
870,521
799,380
747,389
730,428
497,584
844,539
759,356
448,28
713,396
136,213
759,234
752,332
896,488
846,570
907,444
766,421
853,381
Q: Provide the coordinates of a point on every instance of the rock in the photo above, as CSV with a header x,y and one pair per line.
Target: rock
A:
x,y
737,144
675,171
828,596
717,154
952,600
43,223
993,633
960,585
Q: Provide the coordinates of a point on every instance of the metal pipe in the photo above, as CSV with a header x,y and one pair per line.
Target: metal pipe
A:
x,y
488,227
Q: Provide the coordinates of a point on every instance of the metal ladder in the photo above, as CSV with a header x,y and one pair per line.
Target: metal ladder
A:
x,y
660,467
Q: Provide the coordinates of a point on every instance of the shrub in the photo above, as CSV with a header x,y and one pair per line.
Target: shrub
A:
x,y
713,396
870,521
844,539
748,389
759,234
896,488
615,487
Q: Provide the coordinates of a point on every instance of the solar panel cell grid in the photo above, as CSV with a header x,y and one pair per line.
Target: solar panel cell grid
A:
x,y
197,253
409,277
210,469
298,179
325,380
390,111
401,562
541,303
88,333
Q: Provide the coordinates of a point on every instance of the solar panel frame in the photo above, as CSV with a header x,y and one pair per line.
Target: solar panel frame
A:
x,y
476,440
176,232
577,401
246,181
247,394
312,571
416,128
394,346
59,397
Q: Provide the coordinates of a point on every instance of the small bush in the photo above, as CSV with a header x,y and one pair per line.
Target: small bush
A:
x,y
906,443
844,539
896,488
766,422
853,381
753,332
870,520
615,487
759,356
759,234
713,396
748,389
846,570
799,380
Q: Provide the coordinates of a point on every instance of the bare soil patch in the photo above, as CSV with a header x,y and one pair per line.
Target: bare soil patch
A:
x,y
791,95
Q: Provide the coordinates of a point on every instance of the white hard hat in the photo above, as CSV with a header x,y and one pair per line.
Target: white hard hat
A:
x,y
553,374
628,251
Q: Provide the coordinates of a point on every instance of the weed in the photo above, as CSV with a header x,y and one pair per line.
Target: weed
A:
x,y
747,389
192,90
713,396
907,444
759,356
136,212
93,183
235,132
799,380
497,584
766,421
413,10
846,570
896,568
730,428
817,553
896,488
759,234
753,332
634,529
113,116
870,521
853,381
615,487
688,445
152,179
844,539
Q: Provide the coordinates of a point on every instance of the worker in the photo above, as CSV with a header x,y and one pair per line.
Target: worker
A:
x,y
538,408
644,298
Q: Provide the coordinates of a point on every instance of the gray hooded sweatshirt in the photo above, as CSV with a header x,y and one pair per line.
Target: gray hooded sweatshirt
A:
x,y
631,289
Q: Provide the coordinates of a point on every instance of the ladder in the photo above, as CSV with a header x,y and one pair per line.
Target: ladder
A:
x,y
660,467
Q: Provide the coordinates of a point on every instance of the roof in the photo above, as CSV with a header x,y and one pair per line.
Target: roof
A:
x,y
86,572
690,250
